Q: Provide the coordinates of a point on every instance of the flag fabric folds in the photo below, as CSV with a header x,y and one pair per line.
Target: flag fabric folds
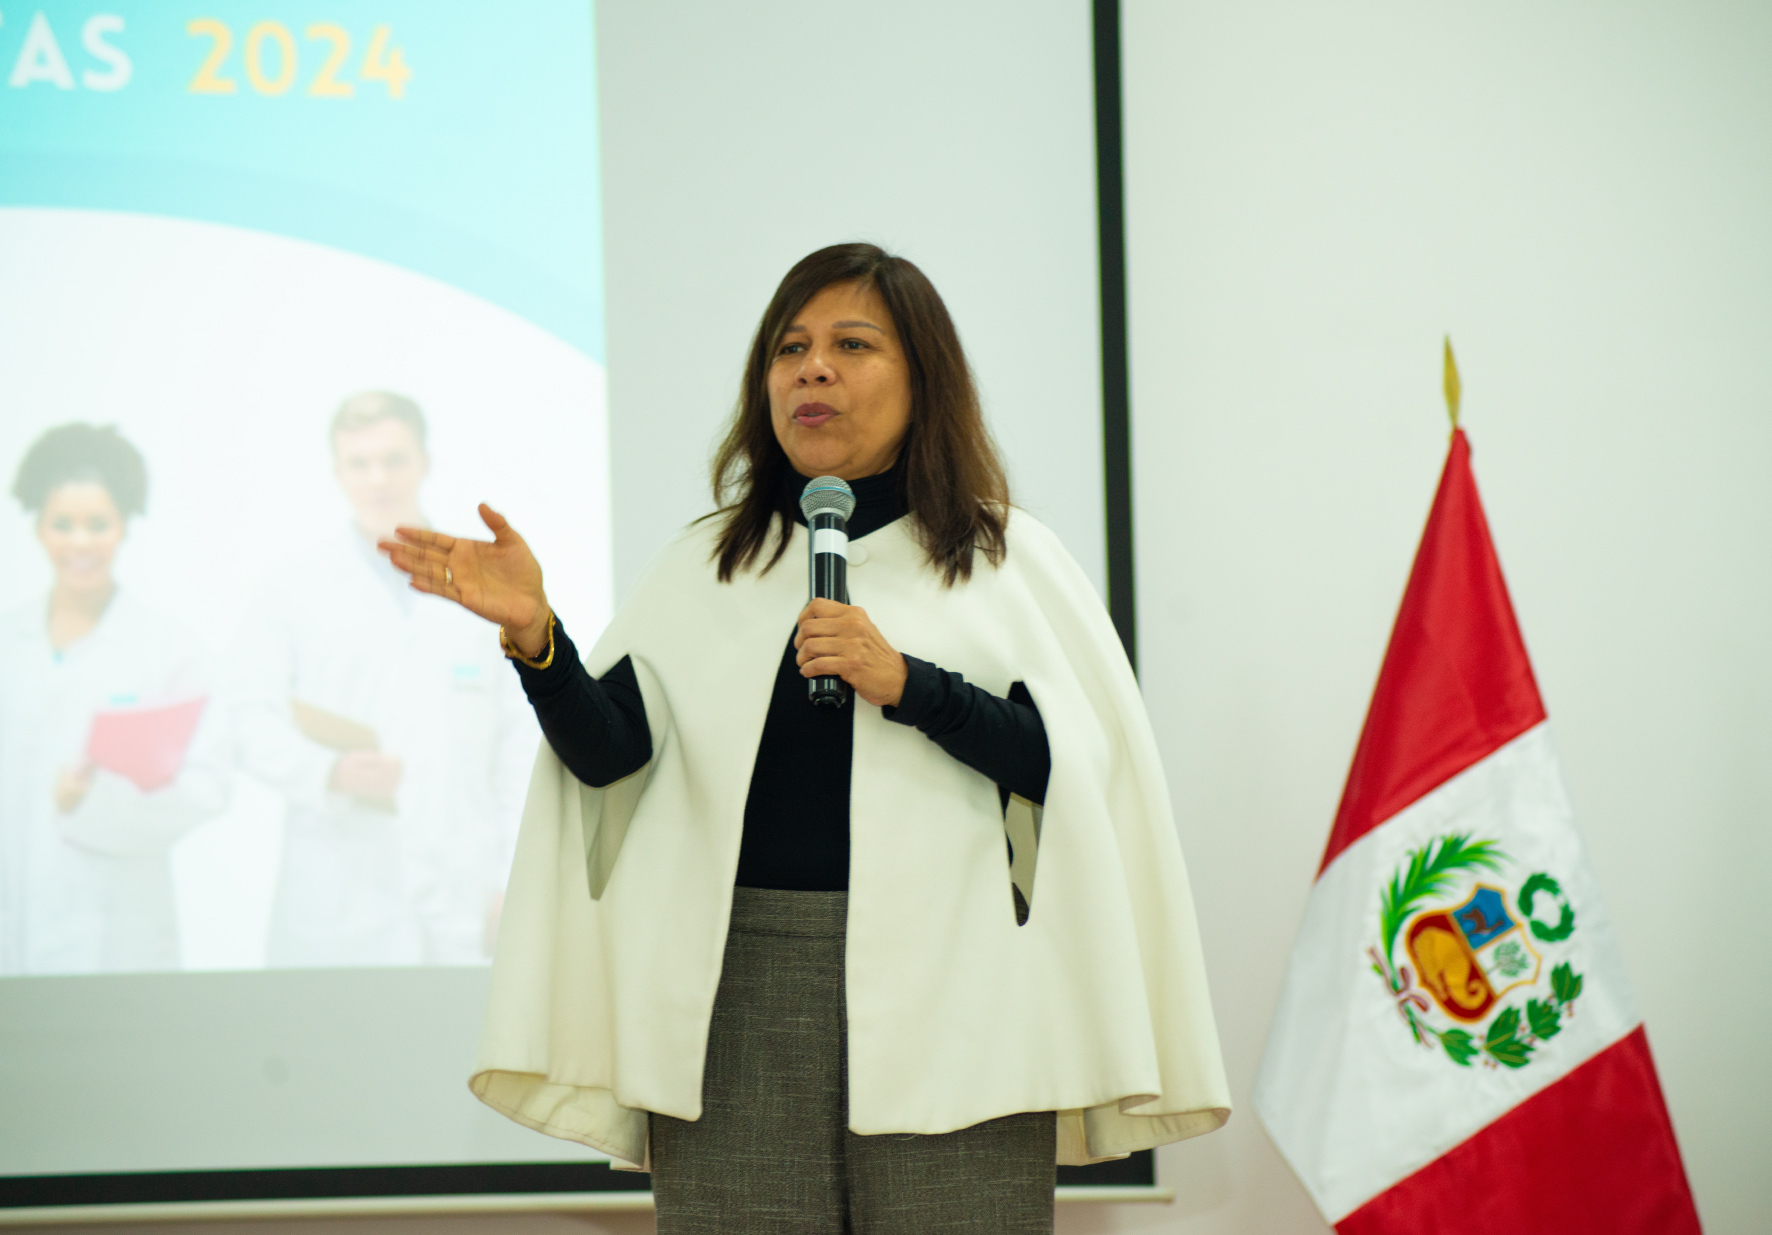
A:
x,y
1456,1048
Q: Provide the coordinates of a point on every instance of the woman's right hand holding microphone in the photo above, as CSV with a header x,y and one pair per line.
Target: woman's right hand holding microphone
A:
x,y
498,579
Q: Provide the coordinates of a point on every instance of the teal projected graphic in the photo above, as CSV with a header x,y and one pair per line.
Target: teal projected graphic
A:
x,y
277,280
457,141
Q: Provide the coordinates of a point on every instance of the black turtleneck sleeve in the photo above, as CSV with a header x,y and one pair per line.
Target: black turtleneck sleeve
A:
x,y
1003,738
597,726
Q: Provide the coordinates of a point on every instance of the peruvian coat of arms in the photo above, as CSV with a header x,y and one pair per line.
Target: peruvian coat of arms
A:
x,y
1458,943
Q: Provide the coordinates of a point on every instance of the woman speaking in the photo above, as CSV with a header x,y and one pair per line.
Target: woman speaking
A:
x,y
874,967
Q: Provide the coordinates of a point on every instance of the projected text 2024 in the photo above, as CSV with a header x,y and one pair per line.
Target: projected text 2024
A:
x,y
272,62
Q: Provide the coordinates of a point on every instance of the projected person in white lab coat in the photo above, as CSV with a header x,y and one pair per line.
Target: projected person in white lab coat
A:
x,y
106,756
391,725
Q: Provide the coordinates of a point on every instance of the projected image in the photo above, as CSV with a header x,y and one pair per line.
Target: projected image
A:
x,y
230,736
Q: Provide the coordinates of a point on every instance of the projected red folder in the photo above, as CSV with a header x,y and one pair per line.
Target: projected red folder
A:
x,y
145,744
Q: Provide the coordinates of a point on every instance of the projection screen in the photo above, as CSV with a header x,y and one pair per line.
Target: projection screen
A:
x,y
275,278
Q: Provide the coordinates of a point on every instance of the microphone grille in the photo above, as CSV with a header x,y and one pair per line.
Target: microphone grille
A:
x,y
827,493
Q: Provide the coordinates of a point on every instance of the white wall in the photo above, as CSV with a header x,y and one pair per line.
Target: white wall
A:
x,y
1582,196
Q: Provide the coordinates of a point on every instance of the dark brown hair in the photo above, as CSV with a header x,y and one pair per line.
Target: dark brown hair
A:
x,y
953,481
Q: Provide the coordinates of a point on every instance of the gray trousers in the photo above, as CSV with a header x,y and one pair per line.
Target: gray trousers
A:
x,y
772,1152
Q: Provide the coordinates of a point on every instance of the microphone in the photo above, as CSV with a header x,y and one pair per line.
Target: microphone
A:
x,y
827,503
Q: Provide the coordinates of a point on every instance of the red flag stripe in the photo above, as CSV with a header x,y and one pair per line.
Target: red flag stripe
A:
x,y
1595,1152
1456,685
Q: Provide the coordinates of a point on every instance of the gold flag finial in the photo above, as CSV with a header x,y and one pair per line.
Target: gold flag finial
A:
x,y
1454,390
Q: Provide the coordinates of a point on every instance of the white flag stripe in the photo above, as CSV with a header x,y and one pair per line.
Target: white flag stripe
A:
x,y
1353,1102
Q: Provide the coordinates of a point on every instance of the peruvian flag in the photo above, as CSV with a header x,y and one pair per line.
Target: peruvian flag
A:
x,y
1456,1049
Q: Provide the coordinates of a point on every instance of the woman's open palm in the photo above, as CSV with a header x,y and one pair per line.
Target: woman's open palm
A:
x,y
498,579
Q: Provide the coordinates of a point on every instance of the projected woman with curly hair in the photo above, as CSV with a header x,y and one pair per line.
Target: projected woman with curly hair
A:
x,y
102,764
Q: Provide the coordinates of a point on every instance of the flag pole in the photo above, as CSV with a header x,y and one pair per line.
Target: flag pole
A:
x,y
1454,389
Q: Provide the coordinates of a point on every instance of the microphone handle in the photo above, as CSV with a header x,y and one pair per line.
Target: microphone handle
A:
x,y
829,581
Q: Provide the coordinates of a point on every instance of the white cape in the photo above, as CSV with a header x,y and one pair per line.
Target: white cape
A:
x,y
614,925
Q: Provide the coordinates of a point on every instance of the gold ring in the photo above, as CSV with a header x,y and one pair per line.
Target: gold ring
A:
x,y
448,577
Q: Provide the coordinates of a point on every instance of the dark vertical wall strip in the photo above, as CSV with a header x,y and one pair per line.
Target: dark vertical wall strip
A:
x,y
1116,408
1116,425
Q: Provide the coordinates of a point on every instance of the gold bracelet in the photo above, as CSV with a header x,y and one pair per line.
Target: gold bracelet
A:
x,y
510,649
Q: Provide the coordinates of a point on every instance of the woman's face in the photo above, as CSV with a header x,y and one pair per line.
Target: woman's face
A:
x,y
839,386
80,528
